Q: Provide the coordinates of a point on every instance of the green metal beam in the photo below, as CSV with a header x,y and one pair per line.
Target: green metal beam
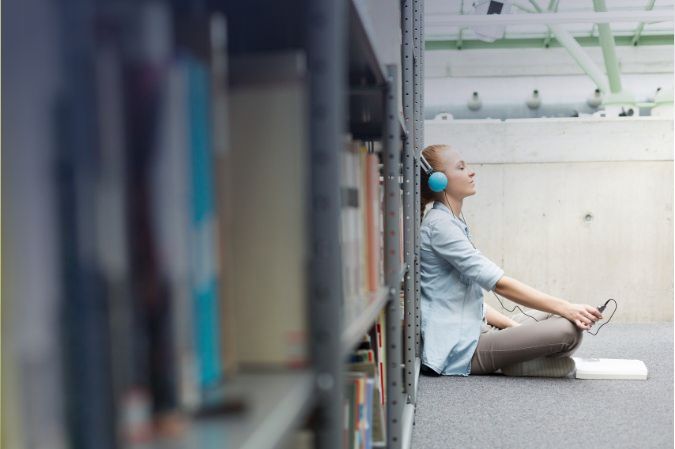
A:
x,y
552,7
638,31
586,41
523,7
608,51
582,58
547,41
536,6
461,30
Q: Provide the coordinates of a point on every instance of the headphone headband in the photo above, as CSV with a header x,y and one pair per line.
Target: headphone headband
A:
x,y
425,165
437,180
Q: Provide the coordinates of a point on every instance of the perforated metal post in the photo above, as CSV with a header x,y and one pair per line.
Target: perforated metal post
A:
x,y
418,119
392,261
409,214
326,63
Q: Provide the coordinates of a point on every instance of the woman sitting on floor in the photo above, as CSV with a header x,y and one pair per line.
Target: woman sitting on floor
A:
x,y
461,334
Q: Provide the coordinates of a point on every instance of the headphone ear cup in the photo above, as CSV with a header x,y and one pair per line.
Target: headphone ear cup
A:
x,y
438,181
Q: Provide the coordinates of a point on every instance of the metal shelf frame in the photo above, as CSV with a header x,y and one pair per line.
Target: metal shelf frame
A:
x,y
372,93
392,260
326,32
276,403
418,120
282,401
357,329
410,216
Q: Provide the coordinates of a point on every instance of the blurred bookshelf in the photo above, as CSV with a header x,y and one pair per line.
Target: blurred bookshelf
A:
x,y
212,211
275,405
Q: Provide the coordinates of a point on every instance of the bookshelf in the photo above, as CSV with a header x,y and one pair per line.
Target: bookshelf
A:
x,y
276,405
137,80
358,327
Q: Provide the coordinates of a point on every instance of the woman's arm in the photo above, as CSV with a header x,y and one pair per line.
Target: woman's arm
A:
x,y
583,315
498,319
525,295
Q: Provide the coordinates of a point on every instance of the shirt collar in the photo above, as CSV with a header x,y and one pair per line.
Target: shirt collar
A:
x,y
443,207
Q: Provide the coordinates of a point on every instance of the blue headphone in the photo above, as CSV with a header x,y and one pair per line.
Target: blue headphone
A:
x,y
437,180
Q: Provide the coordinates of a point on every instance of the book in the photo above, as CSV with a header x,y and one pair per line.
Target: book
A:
x,y
597,368
379,336
349,412
269,174
355,389
224,189
374,408
369,418
202,226
171,198
349,205
373,217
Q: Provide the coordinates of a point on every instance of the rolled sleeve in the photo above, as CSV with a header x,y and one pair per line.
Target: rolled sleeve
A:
x,y
449,242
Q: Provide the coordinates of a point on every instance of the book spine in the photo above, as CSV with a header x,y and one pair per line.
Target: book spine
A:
x,y
224,190
363,223
172,197
204,282
372,224
370,390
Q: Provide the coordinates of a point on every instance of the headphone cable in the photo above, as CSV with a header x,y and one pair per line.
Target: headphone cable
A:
x,y
601,308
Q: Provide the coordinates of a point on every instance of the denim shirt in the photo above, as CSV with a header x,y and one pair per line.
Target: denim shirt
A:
x,y
453,275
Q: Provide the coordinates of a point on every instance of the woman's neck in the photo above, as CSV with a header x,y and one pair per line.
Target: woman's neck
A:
x,y
454,205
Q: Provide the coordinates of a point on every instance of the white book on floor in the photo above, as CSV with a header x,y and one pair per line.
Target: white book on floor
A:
x,y
592,368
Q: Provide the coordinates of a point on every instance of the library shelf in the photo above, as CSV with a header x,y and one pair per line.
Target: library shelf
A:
x,y
275,403
367,79
355,330
365,66
404,270
408,421
418,365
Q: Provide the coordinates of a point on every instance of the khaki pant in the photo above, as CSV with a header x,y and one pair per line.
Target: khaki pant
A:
x,y
552,336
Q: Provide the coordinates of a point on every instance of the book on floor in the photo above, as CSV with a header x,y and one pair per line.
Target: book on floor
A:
x,y
595,368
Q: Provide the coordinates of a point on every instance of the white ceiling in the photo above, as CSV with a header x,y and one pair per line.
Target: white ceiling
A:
x,y
443,8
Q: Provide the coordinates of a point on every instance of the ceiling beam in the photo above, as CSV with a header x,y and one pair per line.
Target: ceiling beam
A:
x,y
549,18
636,36
552,7
584,41
523,7
606,39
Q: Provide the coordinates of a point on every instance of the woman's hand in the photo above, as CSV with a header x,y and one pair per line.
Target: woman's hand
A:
x,y
583,315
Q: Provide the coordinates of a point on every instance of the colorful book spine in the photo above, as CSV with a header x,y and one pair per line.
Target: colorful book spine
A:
x,y
204,277
172,198
370,390
372,213
224,189
380,327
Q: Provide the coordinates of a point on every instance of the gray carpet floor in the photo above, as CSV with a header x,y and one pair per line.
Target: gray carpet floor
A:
x,y
502,412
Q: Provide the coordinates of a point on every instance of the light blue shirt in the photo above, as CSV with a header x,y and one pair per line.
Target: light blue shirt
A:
x,y
453,275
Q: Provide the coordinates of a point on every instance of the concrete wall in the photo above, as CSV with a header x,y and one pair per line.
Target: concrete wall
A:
x,y
578,208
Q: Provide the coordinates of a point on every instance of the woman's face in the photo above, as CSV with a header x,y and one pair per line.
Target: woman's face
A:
x,y
460,177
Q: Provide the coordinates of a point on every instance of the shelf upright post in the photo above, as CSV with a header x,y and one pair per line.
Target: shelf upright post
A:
x,y
421,68
392,261
326,38
410,216
418,119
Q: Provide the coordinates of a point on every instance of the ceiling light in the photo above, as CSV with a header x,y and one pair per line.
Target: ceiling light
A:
x,y
474,102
